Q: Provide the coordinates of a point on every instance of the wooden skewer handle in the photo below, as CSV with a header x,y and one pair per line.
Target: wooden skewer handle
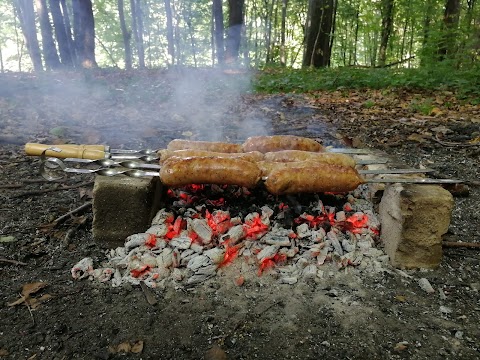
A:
x,y
93,152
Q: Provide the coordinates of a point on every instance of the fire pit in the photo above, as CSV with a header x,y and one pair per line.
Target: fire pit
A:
x,y
199,230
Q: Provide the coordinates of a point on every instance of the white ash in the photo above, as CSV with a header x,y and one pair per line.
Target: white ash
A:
x,y
291,254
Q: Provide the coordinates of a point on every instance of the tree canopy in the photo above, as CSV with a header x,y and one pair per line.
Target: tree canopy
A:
x,y
42,35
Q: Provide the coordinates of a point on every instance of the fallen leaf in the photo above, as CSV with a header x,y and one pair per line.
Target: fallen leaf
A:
x,y
32,288
36,302
3,352
7,239
436,112
400,298
417,137
401,346
124,347
137,347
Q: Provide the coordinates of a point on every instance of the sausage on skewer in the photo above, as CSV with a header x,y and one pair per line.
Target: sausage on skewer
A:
x,y
177,172
285,156
266,144
320,178
165,154
179,144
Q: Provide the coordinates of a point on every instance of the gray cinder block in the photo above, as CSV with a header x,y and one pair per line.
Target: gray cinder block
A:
x,y
123,206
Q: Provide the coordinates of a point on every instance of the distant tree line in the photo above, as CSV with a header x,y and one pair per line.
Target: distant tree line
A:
x,y
319,33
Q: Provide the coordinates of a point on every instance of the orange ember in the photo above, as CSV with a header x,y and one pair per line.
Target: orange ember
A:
x,y
270,262
151,241
255,228
231,253
140,272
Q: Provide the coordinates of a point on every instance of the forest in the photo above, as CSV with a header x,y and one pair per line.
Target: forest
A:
x,y
53,34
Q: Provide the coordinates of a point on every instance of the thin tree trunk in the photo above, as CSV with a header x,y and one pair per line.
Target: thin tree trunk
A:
x,y
357,22
26,16
283,50
218,30
318,33
63,40
126,35
137,34
68,30
170,40
188,21
268,19
141,47
235,22
387,26
49,50
2,68
451,18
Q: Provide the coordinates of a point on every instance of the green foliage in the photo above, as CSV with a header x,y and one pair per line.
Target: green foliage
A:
x,y
466,83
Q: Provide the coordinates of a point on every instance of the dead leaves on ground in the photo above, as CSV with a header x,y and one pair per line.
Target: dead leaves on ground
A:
x,y
28,290
127,347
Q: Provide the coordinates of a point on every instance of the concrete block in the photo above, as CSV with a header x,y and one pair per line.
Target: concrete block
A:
x,y
123,206
414,218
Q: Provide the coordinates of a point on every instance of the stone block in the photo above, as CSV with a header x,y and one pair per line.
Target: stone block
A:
x,y
123,206
414,218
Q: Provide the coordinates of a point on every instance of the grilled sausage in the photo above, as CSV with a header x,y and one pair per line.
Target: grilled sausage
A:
x,y
176,172
320,178
179,144
165,154
320,157
280,142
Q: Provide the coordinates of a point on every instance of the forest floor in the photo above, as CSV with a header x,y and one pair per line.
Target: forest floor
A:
x,y
382,315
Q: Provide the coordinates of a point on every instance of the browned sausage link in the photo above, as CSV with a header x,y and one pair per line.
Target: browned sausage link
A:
x,y
280,142
179,144
178,172
165,154
320,157
325,178
268,166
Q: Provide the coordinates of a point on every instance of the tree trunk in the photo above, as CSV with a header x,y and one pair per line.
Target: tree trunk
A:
x,y
451,18
49,50
170,40
68,30
235,23
137,27
283,51
84,32
387,26
2,68
26,16
218,30
126,35
63,40
318,33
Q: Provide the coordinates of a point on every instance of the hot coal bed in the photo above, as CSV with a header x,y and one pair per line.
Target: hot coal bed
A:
x,y
201,231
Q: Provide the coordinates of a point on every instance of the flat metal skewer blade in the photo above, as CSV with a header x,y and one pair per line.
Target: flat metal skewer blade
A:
x,y
395,171
350,151
415,181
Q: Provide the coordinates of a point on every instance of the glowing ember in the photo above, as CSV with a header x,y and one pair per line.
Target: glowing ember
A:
x,y
175,228
255,228
140,272
270,262
151,241
231,252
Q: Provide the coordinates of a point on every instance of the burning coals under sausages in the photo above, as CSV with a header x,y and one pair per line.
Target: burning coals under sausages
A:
x,y
205,228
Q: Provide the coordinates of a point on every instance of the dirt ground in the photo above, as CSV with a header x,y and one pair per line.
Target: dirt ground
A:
x,y
383,315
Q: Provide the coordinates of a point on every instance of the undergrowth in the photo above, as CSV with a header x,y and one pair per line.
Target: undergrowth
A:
x,y
465,83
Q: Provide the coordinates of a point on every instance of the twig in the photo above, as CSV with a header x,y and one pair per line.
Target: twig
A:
x,y
14,262
11,186
45,191
461,244
453,144
74,211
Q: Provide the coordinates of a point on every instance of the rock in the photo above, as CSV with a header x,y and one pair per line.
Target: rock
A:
x,y
414,218
426,286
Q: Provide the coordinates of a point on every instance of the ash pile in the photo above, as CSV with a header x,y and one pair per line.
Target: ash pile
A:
x,y
204,229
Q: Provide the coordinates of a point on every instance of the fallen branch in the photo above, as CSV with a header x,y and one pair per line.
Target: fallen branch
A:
x,y
461,244
46,191
74,211
11,186
14,262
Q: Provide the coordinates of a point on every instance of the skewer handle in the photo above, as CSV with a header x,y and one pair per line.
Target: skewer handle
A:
x,y
93,152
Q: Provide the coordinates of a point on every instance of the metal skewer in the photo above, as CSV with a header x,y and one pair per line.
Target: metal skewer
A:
x,y
134,169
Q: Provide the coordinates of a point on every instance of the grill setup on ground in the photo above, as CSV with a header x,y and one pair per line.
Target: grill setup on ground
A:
x,y
278,204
